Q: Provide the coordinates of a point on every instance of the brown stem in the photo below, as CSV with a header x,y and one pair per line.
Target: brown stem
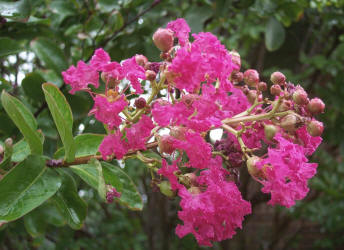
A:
x,y
86,159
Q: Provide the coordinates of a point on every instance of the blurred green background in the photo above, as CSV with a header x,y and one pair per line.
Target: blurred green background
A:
x,y
303,39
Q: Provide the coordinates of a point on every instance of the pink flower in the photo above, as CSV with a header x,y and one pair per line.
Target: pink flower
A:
x,y
108,112
133,72
79,77
286,173
181,30
100,59
162,112
189,69
198,151
308,142
138,133
113,144
168,171
212,215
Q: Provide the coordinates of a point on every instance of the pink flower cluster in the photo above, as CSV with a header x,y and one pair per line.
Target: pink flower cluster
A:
x,y
204,90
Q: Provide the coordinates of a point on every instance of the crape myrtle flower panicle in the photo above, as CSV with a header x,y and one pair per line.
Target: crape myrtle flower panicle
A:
x,y
113,144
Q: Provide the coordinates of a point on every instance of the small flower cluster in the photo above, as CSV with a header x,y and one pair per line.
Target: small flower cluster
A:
x,y
198,87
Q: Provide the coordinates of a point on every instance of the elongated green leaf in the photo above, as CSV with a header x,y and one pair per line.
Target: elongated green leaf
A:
x,y
62,116
69,203
92,174
21,150
24,120
9,46
50,54
116,177
274,34
32,86
34,224
25,187
85,144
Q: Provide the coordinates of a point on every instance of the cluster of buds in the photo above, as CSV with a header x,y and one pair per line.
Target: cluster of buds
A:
x,y
195,88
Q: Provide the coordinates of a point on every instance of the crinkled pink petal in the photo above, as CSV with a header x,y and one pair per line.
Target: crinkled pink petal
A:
x,y
100,59
80,77
108,112
113,144
309,143
138,133
168,171
133,72
181,30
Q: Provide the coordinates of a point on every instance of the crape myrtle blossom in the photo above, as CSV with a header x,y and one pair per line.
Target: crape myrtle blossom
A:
x,y
195,88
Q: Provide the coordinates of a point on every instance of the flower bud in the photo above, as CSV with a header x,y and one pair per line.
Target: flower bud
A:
x,y
270,131
236,76
315,128
275,90
194,190
112,192
165,144
251,166
140,103
251,96
235,58
300,97
285,105
150,75
163,39
178,132
278,78
141,60
165,189
289,122
251,77
9,142
316,106
1,150
189,179
262,86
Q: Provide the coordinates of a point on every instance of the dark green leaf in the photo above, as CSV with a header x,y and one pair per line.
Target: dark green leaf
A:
x,y
63,117
85,144
92,174
24,120
50,54
32,86
9,46
25,187
116,177
70,205
34,224
274,34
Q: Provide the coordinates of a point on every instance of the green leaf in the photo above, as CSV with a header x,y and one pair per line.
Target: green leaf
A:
x,y
116,177
32,86
24,120
19,10
92,174
26,187
9,46
63,117
85,144
34,224
50,54
274,34
68,202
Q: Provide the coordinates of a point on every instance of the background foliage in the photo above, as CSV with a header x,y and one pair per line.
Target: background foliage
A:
x,y
304,39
